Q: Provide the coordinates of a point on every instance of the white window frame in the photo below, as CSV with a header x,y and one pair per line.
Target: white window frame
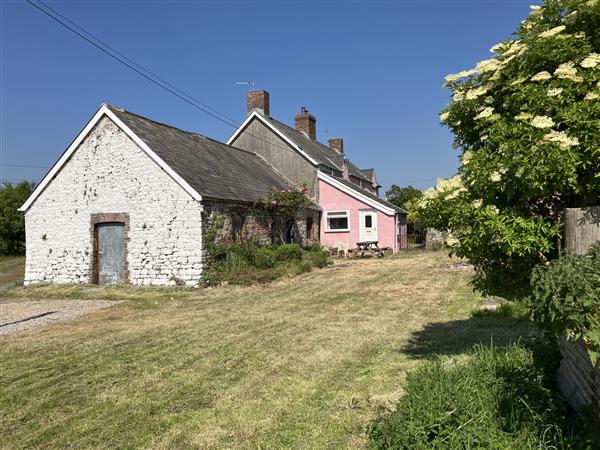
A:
x,y
337,230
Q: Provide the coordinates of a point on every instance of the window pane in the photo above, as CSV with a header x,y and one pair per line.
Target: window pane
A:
x,y
368,221
338,223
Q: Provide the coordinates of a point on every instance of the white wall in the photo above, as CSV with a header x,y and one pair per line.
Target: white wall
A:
x,y
109,173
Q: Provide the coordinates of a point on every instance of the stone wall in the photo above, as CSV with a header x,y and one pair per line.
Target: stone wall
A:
x,y
241,221
435,238
110,174
577,378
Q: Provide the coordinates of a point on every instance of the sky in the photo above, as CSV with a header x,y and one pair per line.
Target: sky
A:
x,y
370,71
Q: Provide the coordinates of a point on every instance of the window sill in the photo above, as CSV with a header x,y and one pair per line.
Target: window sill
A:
x,y
338,231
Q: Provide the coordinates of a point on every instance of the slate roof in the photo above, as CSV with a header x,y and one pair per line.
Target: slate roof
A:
x,y
371,195
214,169
319,152
368,173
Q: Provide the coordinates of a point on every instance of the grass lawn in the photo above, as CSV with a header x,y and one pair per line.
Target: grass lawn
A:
x,y
300,363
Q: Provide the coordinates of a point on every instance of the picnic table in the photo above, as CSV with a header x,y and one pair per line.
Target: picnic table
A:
x,y
368,246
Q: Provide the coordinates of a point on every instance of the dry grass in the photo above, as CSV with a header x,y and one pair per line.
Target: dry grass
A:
x,y
300,363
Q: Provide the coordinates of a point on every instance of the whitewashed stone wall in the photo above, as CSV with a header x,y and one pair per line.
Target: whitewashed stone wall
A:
x,y
109,173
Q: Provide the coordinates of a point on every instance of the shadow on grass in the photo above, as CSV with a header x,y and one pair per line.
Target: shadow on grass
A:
x,y
501,327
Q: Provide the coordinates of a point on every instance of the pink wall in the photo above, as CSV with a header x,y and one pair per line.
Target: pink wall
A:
x,y
332,199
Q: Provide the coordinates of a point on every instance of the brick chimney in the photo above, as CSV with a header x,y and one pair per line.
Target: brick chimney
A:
x,y
258,100
306,123
337,144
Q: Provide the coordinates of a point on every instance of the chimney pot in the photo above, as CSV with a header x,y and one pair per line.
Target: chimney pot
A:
x,y
258,100
306,123
337,144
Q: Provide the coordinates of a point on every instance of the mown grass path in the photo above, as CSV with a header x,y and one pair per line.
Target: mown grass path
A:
x,y
300,363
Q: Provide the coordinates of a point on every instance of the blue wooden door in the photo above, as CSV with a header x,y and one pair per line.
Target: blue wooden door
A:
x,y
111,249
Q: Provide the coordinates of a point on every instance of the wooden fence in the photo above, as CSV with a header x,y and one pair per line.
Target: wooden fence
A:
x,y
578,379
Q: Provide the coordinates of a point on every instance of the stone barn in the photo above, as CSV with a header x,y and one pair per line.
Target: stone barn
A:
x,y
131,199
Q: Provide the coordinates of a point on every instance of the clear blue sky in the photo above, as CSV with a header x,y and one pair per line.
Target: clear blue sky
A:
x,y
371,72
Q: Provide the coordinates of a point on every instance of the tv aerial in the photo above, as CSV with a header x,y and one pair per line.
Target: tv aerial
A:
x,y
249,83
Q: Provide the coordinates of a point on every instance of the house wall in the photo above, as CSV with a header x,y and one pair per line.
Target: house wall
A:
x,y
110,175
333,199
263,141
255,224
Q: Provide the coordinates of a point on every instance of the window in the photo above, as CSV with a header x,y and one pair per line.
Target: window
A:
x,y
337,221
368,221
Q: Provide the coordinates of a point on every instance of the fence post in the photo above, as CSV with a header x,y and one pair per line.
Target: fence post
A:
x,y
582,228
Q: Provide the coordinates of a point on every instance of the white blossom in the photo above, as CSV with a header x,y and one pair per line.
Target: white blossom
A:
x,y
485,113
514,48
592,60
541,76
591,96
466,157
452,241
495,177
457,76
553,92
477,203
458,96
542,122
498,47
552,31
523,116
472,94
567,71
561,138
444,116
488,65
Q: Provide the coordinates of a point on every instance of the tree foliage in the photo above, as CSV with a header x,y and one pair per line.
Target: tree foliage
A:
x,y
527,122
12,222
400,196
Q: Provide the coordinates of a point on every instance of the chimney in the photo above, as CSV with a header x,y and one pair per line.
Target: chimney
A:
x,y
337,144
258,100
306,123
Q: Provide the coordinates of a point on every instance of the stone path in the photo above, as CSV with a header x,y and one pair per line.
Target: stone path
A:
x,y
16,316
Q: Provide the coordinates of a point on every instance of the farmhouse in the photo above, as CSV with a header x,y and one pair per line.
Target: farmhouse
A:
x,y
131,200
348,196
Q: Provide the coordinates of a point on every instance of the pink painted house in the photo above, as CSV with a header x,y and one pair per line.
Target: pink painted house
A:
x,y
351,210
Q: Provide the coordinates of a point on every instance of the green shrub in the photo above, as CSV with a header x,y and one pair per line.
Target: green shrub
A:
x,y
494,398
245,250
247,263
317,257
264,258
565,298
288,252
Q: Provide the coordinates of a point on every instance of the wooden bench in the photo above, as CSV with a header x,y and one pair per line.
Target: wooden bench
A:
x,y
370,247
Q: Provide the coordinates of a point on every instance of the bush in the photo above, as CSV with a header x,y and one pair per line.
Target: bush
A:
x,y
264,258
247,263
494,398
565,298
288,252
317,256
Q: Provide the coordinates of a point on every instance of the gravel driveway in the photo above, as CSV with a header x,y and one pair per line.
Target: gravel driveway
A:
x,y
21,315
